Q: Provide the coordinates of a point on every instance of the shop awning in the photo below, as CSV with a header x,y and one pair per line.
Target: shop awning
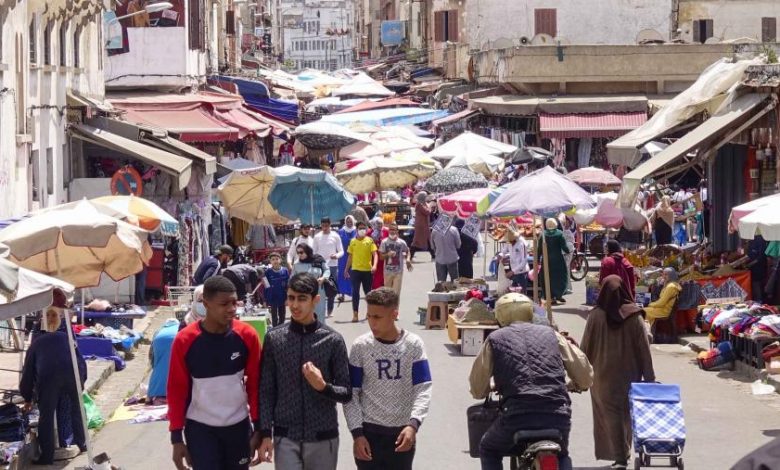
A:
x,y
718,129
562,126
453,118
387,116
524,105
191,125
156,137
178,167
244,122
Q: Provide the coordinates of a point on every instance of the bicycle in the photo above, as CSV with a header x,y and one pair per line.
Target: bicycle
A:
x,y
578,267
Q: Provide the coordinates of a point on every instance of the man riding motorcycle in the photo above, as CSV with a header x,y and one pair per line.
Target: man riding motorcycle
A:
x,y
529,364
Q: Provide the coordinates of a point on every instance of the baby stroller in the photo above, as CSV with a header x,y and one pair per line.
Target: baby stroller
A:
x,y
658,424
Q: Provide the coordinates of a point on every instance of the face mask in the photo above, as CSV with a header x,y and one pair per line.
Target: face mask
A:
x,y
199,309
362,233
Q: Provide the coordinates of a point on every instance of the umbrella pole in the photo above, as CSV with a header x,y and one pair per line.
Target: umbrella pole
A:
x,y
484,255
79,389
536,261
547,293
311,203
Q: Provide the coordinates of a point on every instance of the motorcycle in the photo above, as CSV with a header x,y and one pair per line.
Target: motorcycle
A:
x,y
536,450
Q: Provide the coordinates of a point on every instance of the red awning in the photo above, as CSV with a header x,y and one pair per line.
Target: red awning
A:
x,y
369,105
244,122
561,126
191,125
453,118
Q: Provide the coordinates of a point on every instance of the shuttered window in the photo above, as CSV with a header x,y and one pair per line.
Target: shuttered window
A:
x,y
230,23
546,21
768,29
702,30
195,25
445,26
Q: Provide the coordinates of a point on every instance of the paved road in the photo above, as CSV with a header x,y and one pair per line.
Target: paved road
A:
x,y
724,420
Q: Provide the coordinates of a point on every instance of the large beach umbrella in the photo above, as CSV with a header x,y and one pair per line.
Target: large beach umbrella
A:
x,y
321,135
592,176
543,192
483,164
464,203
742,210
416,156
309,195
450,180
469,143
764,221
379,174
23,291
245,195
142,212
77,244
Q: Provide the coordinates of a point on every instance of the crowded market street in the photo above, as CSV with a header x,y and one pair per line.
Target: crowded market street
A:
x,y
713,402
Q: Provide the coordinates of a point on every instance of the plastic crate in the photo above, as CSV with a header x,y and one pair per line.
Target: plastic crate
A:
x,y
177,296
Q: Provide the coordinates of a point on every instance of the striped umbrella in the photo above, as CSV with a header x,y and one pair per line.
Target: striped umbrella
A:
x,y
142,212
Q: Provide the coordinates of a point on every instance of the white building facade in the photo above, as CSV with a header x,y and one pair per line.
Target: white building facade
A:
x,y
316,35
722,20
51,64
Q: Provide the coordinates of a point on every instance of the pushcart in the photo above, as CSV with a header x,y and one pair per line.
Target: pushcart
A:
x,y
658,424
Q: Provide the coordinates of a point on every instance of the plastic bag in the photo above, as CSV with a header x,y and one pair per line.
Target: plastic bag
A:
x,y
94,418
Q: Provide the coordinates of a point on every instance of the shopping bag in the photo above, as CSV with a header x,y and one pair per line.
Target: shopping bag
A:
x,y
480,417
94,418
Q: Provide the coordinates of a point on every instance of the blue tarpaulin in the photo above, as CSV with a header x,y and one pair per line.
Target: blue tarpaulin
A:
x,y
388,116
257,96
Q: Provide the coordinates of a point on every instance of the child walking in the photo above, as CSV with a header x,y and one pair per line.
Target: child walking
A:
x,y
276,289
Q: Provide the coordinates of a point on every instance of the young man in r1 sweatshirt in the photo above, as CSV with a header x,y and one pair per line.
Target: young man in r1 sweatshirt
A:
x,y
391,388
304,373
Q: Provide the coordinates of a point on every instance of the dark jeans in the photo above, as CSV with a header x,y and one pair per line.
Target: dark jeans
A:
x,y
334,272
413,250
358,278
498,441
384,456
212,447
443,269
49,393
520,280
278,314
140,287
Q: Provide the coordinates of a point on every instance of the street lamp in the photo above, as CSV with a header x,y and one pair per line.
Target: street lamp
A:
x,y
151,8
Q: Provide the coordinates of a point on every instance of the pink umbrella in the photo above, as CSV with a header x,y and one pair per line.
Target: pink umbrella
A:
x,y
592,176
463,203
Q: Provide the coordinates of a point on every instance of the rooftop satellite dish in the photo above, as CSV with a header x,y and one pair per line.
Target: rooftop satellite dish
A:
x,y
542,40
649,36
502,43
712,40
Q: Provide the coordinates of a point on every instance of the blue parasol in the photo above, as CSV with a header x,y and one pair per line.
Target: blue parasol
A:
x,y
309,195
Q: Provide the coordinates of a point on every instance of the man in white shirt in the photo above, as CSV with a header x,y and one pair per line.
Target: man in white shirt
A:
x,y
304,237
517,253
328,245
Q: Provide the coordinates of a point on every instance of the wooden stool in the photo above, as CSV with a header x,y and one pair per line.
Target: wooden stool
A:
x,y
437,315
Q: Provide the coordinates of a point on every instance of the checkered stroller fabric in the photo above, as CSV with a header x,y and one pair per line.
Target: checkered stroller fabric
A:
x,y
656,415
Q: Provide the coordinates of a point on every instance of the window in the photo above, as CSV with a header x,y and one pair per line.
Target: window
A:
x,y
768,29
445,26
195,24
66,174
33,43
546,21
50,171
63,44
702,30
77,47
47,44
333,64
36,176
230,23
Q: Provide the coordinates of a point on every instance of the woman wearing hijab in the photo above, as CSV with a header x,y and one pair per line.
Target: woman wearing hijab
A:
x,y
559,271
315,265
662,219
662,307
616,343
468,248
422,225
346,233
378,232
197,309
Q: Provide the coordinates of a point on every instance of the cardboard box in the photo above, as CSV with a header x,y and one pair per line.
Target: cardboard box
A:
x,y
471,341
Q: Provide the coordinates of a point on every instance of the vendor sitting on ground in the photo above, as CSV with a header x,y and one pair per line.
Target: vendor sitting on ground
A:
x,y
662,307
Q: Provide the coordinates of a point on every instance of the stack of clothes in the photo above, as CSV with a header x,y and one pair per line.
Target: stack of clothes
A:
x,y
12,432
754,320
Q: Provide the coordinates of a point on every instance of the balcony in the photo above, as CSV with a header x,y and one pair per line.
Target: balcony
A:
x,y
157,58
597,69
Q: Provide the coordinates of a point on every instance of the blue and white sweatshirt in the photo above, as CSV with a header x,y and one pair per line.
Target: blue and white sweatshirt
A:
x,y
391,384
